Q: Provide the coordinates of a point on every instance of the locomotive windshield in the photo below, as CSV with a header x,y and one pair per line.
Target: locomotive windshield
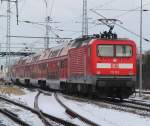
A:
x,y
114,50
106,50
123,51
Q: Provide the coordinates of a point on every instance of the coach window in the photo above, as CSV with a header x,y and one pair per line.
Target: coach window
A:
x,y
44,66
105,50
123,50
62,64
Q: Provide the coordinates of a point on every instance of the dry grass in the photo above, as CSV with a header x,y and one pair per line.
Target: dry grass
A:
x,y
11,90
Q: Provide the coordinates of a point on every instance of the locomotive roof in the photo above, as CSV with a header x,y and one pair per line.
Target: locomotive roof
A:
x,y
62,50
56,51
59,50
48,53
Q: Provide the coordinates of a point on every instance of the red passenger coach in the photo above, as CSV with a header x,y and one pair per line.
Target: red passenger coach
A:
x,y
105,67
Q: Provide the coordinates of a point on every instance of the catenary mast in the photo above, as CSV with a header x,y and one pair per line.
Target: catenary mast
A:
x,y
84,19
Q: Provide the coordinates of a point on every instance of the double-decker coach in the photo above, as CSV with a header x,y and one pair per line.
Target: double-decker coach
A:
x,y
92,65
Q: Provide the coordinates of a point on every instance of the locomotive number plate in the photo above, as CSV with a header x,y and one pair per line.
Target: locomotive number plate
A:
x,y
114,65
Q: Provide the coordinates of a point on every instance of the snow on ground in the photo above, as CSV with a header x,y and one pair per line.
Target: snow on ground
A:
x,y
24,115
4,121
102,116
49,105
145,98
26,97
105,116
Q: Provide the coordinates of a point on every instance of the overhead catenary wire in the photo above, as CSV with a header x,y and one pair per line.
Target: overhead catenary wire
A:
x,y
32,37
14,44
76,17
24,47
129,11
71,21
122,27
41,24
54,29
104,4
124,10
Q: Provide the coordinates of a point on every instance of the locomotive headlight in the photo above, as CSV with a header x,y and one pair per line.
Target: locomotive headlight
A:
x,y
98,72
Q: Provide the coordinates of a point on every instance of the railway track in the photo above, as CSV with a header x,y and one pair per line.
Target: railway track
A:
x,y
145,102
14,117
132,106
139,102
47,121
43,116
17,105
144,92
44,119
74,114
126,105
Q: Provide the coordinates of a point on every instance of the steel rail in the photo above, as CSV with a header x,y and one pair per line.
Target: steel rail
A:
x,y
143,92
53,118
143,109
38,109
129,104
74,114
144,102
45,121
139,103
14,117
133,106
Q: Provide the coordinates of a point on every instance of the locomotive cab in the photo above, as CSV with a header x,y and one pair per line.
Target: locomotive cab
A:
x,y
114,65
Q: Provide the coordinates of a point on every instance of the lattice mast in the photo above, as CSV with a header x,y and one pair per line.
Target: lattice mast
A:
x,y
84,19
47,32
9,31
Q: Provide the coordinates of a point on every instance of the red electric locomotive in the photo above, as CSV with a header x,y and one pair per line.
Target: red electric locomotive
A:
x,y
91,65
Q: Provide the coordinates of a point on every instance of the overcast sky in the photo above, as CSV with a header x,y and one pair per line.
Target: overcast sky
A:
x,y
68,13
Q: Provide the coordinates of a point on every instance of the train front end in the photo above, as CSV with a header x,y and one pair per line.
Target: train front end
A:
x,y
114,65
